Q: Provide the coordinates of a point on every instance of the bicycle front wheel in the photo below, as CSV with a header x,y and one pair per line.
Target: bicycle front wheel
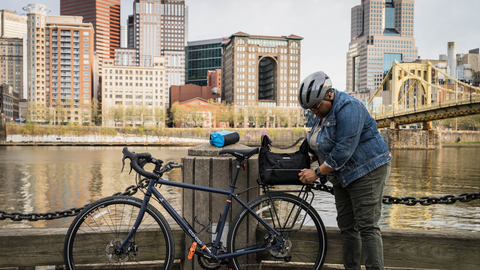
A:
x,y
96,233
302,230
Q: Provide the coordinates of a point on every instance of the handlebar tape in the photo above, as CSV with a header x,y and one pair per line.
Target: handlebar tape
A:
x,y
134,158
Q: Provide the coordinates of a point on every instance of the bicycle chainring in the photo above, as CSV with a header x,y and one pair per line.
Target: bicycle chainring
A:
x,y
211,265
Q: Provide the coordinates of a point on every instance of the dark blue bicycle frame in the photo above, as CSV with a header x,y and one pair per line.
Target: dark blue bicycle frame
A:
x,y
188,229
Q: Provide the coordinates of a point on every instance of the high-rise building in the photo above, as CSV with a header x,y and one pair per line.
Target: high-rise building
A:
x,y
200,57
69,61
13,48
105,18
123,36
137,88
60,69
381,32
262,70
12,25
11,62
37,19
159,30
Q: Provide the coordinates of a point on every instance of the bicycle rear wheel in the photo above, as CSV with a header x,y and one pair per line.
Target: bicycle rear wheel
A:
x,y
95,233
301,227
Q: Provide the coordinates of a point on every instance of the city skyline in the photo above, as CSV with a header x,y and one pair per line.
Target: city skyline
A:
x,y
431,34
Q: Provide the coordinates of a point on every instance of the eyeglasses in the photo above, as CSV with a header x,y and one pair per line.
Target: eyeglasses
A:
x,y
317,106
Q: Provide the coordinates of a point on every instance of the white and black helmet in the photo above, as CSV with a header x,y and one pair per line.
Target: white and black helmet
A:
x,y
313,89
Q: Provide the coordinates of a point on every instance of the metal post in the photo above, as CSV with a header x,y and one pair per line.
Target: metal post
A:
x,y
456,89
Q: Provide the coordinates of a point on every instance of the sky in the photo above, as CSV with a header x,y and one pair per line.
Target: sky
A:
x,y
324,25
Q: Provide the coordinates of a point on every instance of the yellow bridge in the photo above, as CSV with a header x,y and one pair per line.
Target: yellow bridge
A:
x,y
421,93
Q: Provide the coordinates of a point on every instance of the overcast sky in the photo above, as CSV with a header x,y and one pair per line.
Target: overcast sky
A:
x,y
324,25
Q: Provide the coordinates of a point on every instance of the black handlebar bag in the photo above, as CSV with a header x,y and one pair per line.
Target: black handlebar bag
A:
x,y
282,168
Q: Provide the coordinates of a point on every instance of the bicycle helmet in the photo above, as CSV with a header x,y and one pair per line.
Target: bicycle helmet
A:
x,y
313,89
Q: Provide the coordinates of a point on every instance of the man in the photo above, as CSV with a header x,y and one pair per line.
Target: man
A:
x,y
354,157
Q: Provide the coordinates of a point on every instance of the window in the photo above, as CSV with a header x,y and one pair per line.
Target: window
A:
x,y
86,33
86,39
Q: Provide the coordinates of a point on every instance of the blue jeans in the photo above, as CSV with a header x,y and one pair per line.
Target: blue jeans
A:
x,y
359,207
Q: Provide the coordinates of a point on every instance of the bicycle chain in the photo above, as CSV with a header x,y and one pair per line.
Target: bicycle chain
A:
x,y
131,190
17,216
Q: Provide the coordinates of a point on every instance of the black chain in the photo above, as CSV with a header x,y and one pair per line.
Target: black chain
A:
x,y
448,199
17,216
131,190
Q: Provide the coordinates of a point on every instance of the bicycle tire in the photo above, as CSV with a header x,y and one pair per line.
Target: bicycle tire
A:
x,y
104,224
305,237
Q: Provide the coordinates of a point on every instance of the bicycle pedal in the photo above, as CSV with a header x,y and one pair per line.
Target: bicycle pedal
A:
x,y
192,250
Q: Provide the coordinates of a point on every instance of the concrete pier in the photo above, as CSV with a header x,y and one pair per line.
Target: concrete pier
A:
x,y
404,249
411,139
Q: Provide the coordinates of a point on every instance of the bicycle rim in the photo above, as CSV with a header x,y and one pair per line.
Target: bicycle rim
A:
x,y
95,233
303,230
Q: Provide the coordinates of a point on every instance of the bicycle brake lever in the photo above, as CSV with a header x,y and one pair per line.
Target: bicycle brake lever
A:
x,y
123,162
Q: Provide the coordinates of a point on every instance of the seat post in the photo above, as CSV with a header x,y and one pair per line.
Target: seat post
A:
x,y
235,174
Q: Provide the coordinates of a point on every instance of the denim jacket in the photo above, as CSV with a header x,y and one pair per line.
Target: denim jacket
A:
x,y
349,140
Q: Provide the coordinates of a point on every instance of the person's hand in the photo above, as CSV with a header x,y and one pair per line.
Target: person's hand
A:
x,y
307,176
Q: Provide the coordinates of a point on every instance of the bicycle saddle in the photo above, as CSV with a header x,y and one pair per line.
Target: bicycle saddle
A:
x,y
240,153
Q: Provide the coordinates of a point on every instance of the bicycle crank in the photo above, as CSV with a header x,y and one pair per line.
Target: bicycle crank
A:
x,y
212,264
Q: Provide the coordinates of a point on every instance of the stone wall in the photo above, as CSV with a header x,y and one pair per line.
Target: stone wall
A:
x,y
450,136
3,129
411,139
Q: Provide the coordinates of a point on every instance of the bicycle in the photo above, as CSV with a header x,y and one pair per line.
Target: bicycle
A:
x,y
276,229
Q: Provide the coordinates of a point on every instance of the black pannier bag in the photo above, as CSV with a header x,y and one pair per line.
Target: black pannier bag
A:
x,y
282,168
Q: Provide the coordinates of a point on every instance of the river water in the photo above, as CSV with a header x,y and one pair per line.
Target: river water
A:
x,y
43,179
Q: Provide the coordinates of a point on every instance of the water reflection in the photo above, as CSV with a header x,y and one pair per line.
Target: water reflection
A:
x,y
42,179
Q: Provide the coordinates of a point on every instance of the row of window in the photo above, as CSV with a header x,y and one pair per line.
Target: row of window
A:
x,y
137,72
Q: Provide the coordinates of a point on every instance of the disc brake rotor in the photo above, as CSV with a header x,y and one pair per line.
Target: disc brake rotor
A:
x,y
112,255
282,252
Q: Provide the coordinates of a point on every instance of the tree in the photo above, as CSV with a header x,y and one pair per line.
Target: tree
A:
x,y
108,116
140,113
118,115
95,114
225,114
238,116
282,116
178,114
260,115
61,114
196,115
159,116
129,114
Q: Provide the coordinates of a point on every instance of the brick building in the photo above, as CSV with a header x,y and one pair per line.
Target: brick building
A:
x,y
190,91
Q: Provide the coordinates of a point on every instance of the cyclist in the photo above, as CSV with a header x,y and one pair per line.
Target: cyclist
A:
x,y
355,159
